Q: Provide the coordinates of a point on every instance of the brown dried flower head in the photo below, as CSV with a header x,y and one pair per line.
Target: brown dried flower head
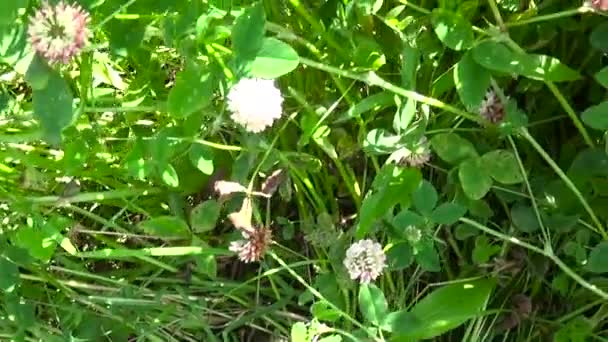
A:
x,y
491,108
58,33
419,154
253,246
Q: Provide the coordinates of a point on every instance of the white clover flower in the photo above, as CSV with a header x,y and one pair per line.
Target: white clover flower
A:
x,y
365,260
255,103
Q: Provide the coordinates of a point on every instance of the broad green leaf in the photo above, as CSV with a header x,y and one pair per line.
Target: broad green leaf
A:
x,y
396,188
425,198
166,226
426,256
464,231
452,148
38,73
380,141
323,312
372,303
579,329
474,179
169,175
502,166
9,275
524,218
602,77
204,216
400,256
299,332
598,257
452,29
368,54
248,32
274,59
472,81
448,213
596,116
202,157
193,91
484,250
599,37
53,106
447,308
407,218
36,242
331,338
9,11
401,322
498,57
21,310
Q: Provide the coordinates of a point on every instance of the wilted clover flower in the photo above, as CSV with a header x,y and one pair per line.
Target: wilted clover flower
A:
x,y
58,32
253,246
365,260
491,108
418,155
255,103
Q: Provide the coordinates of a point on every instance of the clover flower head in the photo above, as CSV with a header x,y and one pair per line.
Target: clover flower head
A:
x,y
365,260
255,103
600,5
59,32
418,155
253,246
492,108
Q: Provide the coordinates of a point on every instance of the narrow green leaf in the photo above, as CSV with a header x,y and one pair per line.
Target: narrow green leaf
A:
x,y
9,11
447,308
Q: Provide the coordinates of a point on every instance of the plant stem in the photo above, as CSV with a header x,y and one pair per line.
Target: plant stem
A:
x,y
92,196
524,133
546,252
552,16
566,106
373,79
